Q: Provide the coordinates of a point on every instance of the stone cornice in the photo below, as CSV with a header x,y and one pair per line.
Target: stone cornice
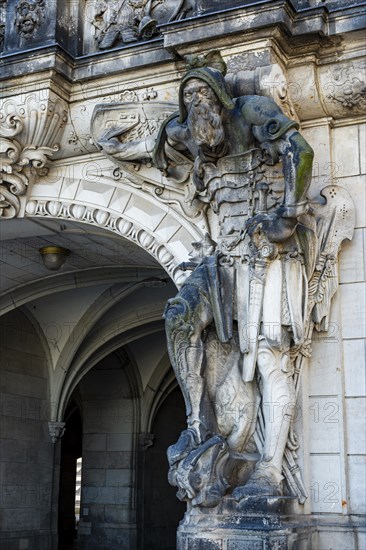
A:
x,y
316,24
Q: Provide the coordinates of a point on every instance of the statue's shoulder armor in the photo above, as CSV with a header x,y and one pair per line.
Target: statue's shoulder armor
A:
x,y
264,116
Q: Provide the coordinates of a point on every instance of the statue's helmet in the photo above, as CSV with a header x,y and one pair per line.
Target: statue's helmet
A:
x,y
214,79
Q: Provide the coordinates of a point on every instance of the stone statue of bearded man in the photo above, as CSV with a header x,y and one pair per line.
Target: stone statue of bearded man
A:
x,y
242,319
232,327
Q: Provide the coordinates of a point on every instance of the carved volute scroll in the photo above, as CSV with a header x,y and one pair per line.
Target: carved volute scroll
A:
x,y
30,132
239,330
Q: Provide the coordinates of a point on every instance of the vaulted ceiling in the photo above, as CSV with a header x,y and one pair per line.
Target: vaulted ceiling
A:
x,y
109,294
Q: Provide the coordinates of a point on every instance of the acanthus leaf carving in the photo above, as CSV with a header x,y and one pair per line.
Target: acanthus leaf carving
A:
x,y
36,157
56,430
12,182
29,139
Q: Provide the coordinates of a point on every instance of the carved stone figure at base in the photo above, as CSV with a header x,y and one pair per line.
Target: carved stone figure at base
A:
x,y
240,326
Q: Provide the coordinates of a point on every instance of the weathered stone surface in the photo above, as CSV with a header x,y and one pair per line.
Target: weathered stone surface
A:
x,y
307,56
236,278
264,532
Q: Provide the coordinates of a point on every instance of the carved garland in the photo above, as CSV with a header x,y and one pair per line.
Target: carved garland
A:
x,y
118,224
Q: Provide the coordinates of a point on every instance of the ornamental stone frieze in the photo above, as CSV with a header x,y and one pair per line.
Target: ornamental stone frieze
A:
x,y
30,128
329,90
113,23
122,22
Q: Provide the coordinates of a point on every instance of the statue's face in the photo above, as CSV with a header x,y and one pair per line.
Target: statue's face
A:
x,y
197,91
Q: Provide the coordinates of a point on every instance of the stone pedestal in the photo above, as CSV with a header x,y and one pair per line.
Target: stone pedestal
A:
x,y
226,528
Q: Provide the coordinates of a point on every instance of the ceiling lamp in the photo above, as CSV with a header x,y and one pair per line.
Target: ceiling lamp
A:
x,y
53,257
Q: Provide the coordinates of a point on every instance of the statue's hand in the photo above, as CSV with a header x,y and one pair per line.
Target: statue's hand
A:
x,y
271,228
130,150
110,146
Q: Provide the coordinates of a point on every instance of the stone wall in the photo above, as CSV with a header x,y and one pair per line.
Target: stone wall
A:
x,y
26,457
334,401
108,509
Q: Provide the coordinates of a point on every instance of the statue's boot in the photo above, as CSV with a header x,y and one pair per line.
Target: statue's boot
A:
x,y
186,443
192,386
278,407
266,481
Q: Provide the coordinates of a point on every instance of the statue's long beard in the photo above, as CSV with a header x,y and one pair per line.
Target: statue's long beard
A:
x,y
204,122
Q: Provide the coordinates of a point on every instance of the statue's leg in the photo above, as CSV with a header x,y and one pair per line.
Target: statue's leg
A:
x,y
278,402
186,316
234,401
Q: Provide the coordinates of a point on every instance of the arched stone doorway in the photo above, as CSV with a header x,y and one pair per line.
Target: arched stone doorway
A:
x,y
71,450
107,300
161,511
126,500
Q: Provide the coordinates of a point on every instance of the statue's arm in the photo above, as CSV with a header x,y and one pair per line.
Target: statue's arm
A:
x,y
280,137
297,160
140,149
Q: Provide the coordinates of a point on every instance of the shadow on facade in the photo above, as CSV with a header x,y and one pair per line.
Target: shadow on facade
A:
x,y
161,509
126,501
71,450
